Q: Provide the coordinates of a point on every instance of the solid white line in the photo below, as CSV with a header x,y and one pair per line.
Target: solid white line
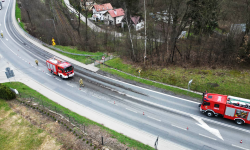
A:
x,y
151,90
178,127
131,110
207,136
189,115
239,147
48,74
154,118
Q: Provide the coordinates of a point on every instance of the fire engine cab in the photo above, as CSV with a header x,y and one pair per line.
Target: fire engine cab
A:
x,y
230,107
59,67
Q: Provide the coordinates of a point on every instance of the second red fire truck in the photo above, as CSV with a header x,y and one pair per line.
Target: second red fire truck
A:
x,y
230,107
59,67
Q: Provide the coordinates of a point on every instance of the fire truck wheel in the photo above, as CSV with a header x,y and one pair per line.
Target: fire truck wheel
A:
x,y
209,114
239,121
52,72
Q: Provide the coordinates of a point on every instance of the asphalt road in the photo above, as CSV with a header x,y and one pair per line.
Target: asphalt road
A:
x,y
164,115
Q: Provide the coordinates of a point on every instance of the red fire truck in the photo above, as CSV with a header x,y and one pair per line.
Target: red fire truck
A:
x,y
59,67
230,107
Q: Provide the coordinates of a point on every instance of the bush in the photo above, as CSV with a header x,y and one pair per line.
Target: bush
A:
x,y
83,139
87,142
90,144
6,93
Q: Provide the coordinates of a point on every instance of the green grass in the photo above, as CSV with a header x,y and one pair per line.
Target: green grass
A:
x,y
83,59
19,134
23,89
18,15
230,82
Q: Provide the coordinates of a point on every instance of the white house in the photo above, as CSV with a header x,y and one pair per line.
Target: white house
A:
x,y
115,16
138,23
100,10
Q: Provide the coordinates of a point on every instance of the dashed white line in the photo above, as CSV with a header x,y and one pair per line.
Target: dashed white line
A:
x,y
111,102
178,127
58,79
239,147
48,74
32,65
207,136
7,39
154,118
39,69
25,61
131,110
70,85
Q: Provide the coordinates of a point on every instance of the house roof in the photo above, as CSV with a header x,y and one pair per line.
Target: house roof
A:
x,y
116,12
135,19
103,7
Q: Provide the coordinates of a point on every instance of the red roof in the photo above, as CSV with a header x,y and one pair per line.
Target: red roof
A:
x,y
103,7
116,12
135,19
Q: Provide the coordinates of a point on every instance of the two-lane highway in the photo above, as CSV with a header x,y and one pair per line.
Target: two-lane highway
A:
x,y
172,118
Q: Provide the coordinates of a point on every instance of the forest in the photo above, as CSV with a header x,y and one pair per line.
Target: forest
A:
x,y
215,31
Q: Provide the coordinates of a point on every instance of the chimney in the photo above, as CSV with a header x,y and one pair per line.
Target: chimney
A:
x,y
115,12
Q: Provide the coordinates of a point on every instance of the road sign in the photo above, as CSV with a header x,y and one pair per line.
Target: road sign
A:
x,y
139,71
9,73
103,57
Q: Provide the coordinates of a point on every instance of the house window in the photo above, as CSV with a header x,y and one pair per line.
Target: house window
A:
x,y
216,105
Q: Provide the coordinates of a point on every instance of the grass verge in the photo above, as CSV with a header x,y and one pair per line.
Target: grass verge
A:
x,y
222,81
23,89
18,133
18,15
82,59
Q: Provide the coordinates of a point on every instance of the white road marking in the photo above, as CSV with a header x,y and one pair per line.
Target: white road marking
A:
x,y
206,127
7,39
23,59
131,110
178,127
154,118
239,147
70,85
39,69
111,102
32,65
151,90
207,136
48,74
58,79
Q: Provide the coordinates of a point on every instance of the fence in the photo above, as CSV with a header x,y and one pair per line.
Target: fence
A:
x,y
59,113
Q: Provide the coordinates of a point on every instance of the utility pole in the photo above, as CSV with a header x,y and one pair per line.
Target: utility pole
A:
x,y
145,33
